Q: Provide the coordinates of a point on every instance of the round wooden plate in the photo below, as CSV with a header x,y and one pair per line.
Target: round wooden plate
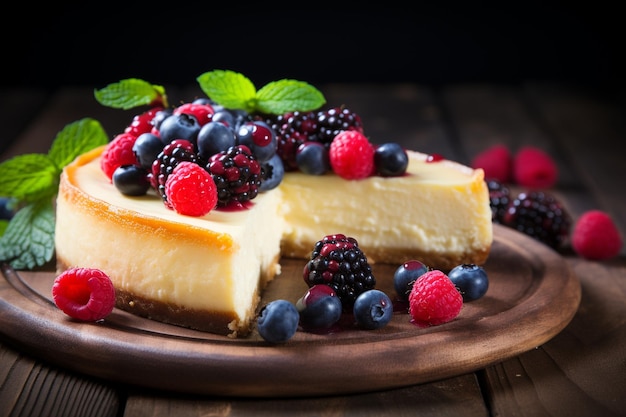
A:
x,y
532,296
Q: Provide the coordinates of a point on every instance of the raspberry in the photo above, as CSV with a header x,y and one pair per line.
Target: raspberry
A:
x,y
496,162
434,299
84,293
202,112
595,236
352,155
533,168
118,152
142,123
190,189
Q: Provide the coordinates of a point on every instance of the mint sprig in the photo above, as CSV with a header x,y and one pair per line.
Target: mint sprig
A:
x,y
32,181
130,93
235,91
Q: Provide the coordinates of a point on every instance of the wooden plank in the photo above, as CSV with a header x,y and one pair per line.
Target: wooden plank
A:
x,y
449,397
31,388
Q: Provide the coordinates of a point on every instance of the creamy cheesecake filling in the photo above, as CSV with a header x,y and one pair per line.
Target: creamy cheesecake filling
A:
x,y
437,210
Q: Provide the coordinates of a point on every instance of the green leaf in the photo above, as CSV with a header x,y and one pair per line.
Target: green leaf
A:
x,y
75,139
230,89
29,177
130,93
283,96
3,226
28,241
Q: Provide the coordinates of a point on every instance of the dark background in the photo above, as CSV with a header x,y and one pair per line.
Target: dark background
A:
x,y
94,44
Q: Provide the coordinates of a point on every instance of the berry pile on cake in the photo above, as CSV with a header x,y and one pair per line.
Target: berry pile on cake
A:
x,y
191,208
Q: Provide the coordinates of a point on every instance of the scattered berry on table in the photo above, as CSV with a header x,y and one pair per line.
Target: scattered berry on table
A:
x,y
390,160
278,321
118,152
85,294
595,236
496,161
534,168
337,260
319,307
190,190
372,309
351,155
405,275
471,280
434,299
499,199
541,216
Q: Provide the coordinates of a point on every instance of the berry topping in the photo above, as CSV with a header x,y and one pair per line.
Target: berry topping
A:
x,y
405,275
84,293
390,160
215,137
312,158
292,130
190,189
471,281
434,157
372,309
260,138
203,112
434,299
272,173
338,261
596,237
179,126
539,215
319,308
237,175
278,321
334,121
118,152
177,151
351,155
131,180
146,149
533,168
142,123
496,162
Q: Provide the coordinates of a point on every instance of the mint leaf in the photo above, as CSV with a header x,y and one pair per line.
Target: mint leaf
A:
x,y
234,91
3,226
230,89
29,177
28,240
284,96
75,139
130,93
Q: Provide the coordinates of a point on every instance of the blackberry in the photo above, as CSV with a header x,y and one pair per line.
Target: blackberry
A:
x,y
335,120
539,215
177,151
237,175
292,130
337,261
499,199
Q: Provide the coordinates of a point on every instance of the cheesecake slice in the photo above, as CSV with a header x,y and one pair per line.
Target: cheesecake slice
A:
x,y
207,272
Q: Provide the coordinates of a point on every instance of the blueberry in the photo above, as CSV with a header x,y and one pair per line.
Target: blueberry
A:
x,y
131,180
260,138
471,281
278,321
160,116
273,173
391,160
405,276
147,147
372,309
319,307
214,137
312,158
179,126
6,210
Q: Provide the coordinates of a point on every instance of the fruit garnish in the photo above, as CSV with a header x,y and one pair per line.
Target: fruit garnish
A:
x,y
278,321
351,155
32,181
85,294
496,161
471,280
235,91
405,275
534,168
372,309
190,189
434,299
130,93
595,236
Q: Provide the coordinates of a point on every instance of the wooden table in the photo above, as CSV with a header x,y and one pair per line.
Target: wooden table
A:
x,y
579,372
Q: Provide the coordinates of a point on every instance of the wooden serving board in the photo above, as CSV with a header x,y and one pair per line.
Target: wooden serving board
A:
x,y
532,296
